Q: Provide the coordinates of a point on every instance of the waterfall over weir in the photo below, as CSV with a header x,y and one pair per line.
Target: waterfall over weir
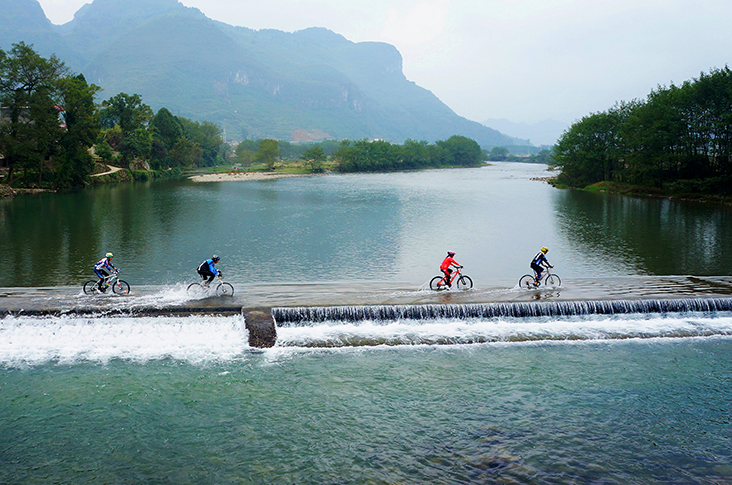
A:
x,y
289,317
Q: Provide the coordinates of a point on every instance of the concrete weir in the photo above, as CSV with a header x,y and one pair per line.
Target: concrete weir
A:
x,y
261,327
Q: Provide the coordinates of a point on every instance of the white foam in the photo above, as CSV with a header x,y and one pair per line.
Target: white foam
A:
x,y
200,339
196,339
449,331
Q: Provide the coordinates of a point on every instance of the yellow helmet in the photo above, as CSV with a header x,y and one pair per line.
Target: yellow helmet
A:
x,y
544,250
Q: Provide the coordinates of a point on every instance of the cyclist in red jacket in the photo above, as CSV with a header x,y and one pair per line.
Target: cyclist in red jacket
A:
x,y
445,267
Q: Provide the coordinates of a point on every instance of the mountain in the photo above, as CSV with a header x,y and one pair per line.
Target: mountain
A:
x,y
307,85
545,132
25,21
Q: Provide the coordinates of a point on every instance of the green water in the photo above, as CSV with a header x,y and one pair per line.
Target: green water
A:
x,y
603,412
634,399
394,228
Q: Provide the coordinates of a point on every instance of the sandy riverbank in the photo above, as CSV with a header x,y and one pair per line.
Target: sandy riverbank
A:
x,y
241,176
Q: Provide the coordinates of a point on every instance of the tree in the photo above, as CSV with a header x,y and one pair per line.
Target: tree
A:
x,y
498,154
82,130
461,151
166,131
29,121
208,137
132,116
267,153
186,153
104,151
127,111
314,158
244,153
414,154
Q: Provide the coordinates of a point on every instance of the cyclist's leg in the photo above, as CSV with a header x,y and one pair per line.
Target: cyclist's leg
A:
x,y
206,275
537,271
102,274
448,274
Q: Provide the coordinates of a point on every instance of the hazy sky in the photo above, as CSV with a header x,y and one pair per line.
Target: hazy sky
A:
x,y
523,60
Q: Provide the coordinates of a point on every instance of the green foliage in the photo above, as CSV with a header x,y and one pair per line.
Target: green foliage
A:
x,y
29,95
382,156
104,151
313,158
127,111
82,130
267,153
679,139
49,123
498,154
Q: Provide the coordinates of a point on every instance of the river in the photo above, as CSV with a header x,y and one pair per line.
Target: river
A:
x,y
623,397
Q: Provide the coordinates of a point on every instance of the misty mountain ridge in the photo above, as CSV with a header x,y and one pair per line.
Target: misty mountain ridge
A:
x,y
545,132
303,86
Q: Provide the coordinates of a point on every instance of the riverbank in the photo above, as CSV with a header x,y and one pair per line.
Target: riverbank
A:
x,y
644,191
236,176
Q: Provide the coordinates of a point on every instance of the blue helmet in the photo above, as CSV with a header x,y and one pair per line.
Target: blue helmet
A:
x,y
215,257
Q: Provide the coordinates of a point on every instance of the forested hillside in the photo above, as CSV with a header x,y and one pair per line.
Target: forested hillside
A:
x,y
307,85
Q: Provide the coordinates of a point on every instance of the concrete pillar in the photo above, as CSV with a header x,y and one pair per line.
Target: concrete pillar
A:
x,y
261,326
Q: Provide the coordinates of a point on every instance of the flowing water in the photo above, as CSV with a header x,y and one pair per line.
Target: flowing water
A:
x,y
622,375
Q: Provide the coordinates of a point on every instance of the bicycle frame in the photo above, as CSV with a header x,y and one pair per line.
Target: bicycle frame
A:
x,y
110,278
463,281
530,281
110,281
220,287
453,275
544,275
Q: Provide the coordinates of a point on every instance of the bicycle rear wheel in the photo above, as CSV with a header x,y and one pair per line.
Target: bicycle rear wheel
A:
x,y
527,282
225,289
90,287
553,281
196,290
437,284
464,282
121,287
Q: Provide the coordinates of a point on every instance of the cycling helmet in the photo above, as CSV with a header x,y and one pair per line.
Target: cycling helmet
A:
x,y
544,250
109,255
451,253
215,257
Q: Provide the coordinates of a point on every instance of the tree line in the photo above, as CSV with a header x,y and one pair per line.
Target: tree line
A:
x,y
52,131
382,156
363,155
679,140
49,123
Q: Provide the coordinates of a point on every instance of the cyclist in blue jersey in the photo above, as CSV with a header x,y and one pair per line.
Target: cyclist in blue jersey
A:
x,y
540,262
103,268
208,270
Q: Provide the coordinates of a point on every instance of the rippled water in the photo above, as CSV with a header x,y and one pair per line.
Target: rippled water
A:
x,y
392,229
173,400
88,397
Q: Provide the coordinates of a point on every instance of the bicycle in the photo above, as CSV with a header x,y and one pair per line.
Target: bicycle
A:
x,y
463,281
530,282
221,289
119,286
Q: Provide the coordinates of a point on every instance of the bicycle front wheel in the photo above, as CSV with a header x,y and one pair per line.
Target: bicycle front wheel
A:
x,y
225,289
121,287
553,281
90,287
527,282
464,282
437,284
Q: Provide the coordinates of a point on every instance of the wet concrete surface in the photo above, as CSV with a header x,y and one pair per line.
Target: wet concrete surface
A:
x,y
166,300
